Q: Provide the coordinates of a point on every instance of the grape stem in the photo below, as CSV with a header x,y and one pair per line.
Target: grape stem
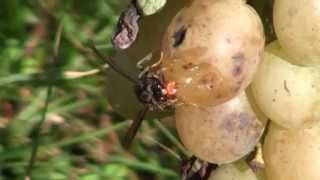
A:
x,y
111,63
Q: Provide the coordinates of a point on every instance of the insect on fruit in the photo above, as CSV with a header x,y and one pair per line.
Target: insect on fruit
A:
x,y
212,50
150,87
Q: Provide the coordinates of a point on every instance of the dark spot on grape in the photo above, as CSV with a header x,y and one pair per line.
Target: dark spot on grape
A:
x,y
188,66
285,86
228,40
244,120
208,80
179,36
218,96
238,60
237,71
229,122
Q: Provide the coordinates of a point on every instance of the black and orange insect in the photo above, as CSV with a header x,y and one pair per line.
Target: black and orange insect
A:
x,y
150,87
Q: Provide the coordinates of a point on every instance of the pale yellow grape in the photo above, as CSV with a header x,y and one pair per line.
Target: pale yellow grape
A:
x,y
211,50
219,134
288,94
297,26
293,154
234,171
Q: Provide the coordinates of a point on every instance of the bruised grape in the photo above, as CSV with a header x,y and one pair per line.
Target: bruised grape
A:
x,y
211,50
219,134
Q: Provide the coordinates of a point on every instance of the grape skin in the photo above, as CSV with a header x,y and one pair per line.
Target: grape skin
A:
x,y
297,26
234,171
212,50
292,154
288,94
219,134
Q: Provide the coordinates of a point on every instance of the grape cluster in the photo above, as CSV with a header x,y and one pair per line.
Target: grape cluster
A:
x,y
287,89
228,85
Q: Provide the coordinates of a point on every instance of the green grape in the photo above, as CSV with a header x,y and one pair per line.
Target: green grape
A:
x,y
212,50
292,154
297,26
288,94
234,171
219,134
149,7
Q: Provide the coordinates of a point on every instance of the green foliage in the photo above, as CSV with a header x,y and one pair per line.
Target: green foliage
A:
x,y
80,136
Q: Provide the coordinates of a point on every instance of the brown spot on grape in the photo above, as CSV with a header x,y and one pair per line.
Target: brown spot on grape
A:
x,y
179,36
208,80
187,66
237,70
238,60
285,85
218,96
228,40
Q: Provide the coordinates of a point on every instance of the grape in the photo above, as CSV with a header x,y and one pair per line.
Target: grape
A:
x,y
219,134
296,23
118,89
293,154
211,50
288,94
234,171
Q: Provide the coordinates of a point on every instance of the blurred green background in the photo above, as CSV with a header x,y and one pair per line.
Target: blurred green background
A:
x,y
81,134
80,138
